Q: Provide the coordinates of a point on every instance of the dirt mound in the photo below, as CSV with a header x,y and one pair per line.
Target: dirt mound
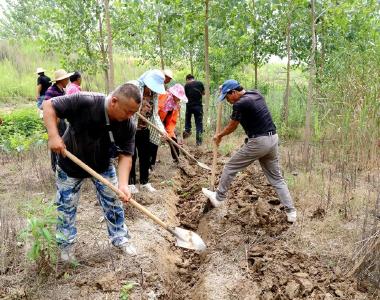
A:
x,y
248,256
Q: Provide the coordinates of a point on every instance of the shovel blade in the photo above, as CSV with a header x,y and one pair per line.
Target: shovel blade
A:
x,y
203,165
188,239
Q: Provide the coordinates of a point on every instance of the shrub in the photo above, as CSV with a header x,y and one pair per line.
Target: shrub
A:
x,y
20,130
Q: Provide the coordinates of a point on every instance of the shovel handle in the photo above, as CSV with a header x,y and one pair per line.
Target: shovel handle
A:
x,y
115,189
215,148
169,138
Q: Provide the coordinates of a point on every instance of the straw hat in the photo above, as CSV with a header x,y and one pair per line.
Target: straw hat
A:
x,y
60,75
168,73
40,70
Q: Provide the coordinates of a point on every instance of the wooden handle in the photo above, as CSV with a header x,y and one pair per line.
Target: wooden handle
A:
x,y
169,138
215,148
115,189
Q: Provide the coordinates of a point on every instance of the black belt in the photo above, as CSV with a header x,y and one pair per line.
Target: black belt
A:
x,y
269,133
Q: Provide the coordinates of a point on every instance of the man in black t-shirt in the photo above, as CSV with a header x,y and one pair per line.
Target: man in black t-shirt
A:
x,y
99,128
250,110
194,91
43,83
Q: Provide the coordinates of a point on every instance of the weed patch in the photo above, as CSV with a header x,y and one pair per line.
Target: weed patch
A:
x,y
20,130
39,232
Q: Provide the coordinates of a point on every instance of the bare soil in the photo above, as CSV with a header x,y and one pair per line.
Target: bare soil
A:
x,y
250,253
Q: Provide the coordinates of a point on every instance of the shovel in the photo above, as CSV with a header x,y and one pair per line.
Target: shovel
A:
x,y
215,148
201,164
184,238
208,205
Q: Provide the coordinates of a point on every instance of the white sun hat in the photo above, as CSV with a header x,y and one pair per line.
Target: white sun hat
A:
x,y
40,70
168,73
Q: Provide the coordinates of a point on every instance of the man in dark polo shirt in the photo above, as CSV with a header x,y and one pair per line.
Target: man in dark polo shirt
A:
x,y
100,128
250,110
194,91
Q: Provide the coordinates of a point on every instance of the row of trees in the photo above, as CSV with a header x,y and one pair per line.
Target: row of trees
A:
x,y
213,38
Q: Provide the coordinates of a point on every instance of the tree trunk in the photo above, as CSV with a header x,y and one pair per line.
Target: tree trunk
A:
x,y
207,66
285,107
310,98
159,35
103,53
110,50
255,62
256,66
191,62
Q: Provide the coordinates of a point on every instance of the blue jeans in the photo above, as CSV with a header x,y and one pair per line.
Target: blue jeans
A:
x,y
68,190
197,111
40,100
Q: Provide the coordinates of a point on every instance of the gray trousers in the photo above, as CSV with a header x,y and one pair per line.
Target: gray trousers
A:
x,y
265,149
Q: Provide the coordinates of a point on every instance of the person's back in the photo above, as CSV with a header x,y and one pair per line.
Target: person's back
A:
x,y
253,114
75,84
45,83
88,131
194,91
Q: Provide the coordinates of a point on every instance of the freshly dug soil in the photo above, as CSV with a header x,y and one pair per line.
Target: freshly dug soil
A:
x,y
249,254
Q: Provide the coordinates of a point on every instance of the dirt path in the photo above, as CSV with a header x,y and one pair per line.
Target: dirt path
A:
x,y
249,256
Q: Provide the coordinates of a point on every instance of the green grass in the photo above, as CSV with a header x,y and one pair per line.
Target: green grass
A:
x,y
21,129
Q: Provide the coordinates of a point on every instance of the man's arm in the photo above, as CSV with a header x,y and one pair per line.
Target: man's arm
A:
x,y
38,90
123,170
231,127
55,142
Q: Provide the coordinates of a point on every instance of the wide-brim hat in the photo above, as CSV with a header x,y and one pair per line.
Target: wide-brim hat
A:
x,y
227,86
40,70
168,73
179,91
154,80
60,75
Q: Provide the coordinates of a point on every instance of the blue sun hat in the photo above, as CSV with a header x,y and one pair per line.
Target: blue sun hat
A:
x,y
154,80
227,86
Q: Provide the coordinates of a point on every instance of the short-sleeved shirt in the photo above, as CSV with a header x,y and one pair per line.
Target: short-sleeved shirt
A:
x,y
72,88
194,91
88,134
44,81
253,114
53,91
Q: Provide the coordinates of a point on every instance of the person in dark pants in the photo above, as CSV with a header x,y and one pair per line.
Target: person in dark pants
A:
x,y
151,84
141,140
250,110
194,91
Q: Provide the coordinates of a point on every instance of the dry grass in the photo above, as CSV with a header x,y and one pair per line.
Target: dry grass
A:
x,y
23,178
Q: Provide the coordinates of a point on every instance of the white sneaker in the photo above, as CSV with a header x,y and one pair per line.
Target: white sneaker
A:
x,y
128,249
133,189
67,255
148,187
212,197
291,216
